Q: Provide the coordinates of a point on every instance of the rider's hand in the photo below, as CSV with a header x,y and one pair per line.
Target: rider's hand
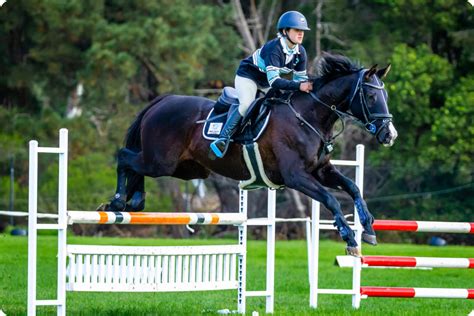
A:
x,y
306,86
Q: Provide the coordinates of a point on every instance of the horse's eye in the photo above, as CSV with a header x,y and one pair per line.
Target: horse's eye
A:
x,y
372,98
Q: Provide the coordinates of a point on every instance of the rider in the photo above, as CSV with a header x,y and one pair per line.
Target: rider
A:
x,y
262,69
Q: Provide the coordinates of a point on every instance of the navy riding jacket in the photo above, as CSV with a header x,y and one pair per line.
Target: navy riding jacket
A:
x,y
266,64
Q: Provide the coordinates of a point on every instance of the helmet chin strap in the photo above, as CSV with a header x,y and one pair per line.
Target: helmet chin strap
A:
x,y
287,37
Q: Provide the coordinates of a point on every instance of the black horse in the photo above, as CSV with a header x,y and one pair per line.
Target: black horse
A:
x,y
165,140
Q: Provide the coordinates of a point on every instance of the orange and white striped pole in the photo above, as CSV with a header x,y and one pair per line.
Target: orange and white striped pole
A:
x,y
143,218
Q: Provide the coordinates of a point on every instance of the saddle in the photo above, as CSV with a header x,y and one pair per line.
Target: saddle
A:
x,y
253,123
252,127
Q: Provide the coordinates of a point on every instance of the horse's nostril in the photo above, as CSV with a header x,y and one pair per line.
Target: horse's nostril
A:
x,y
389,137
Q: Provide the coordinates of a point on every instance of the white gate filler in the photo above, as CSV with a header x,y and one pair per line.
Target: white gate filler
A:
x,y
142,269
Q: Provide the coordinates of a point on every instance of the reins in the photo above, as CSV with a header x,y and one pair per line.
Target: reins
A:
x,y
368,117
328,144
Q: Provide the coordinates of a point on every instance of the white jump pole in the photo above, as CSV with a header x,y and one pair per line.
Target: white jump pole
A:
x,y
61,226
242,259
314,268
317,225
269,221
62,220
357,269
309,249
271,214
32,217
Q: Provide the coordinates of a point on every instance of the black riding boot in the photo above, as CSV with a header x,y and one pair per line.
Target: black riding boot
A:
x,y
220,145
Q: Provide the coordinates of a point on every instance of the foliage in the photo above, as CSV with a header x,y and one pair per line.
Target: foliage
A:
x,y
453,129
418,80
172,43
118,50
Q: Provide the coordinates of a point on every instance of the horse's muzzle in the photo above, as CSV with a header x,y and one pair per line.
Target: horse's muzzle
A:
x,y
387,134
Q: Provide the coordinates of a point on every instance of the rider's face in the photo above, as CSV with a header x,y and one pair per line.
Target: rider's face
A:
x,y
296,36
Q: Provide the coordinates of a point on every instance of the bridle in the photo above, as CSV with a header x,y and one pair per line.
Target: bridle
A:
x,y
369,118
358,93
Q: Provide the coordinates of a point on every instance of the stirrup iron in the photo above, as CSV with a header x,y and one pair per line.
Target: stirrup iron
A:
x,y
215,148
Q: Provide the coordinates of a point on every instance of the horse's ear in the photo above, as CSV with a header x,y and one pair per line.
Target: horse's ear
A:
x,y
370,72
382,73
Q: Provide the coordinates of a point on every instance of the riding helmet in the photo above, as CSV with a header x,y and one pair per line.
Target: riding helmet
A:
x,y
292,20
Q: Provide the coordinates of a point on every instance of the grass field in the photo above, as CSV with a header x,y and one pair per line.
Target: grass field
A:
x,y
291,282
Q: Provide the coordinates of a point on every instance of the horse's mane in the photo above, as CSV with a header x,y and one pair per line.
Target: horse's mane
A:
x,y
331,66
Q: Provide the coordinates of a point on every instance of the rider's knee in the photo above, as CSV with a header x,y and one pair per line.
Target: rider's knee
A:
x,y
243,107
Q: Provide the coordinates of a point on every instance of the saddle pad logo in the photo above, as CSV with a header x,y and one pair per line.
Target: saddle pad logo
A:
x,y
215,128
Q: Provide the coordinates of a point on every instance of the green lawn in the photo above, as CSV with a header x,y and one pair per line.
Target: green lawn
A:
x,y
291,282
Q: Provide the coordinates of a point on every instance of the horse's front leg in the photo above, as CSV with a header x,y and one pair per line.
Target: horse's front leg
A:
x,y
308,185
330,177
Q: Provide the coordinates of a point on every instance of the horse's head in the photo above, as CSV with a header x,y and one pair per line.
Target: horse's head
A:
x,y
368,103
348,90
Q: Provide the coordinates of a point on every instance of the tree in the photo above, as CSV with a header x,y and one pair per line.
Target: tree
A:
x,y
119,51
43,49
452,131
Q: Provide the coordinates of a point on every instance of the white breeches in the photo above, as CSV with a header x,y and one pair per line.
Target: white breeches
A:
x,y
246,92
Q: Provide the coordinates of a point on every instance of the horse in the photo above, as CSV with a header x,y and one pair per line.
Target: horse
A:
x,y
166,140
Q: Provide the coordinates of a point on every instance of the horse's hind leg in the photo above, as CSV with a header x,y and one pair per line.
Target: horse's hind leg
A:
x,y
330,177
118,203
136,191
130,182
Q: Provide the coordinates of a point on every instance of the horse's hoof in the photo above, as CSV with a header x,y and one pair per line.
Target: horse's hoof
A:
x,y
117,205
353,251
138,207
137,202
370,239
128,208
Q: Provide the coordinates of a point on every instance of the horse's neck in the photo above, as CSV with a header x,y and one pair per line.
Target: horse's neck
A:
x,y
339,100
317,115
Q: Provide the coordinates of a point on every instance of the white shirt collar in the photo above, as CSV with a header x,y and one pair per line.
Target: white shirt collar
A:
x,y
286,49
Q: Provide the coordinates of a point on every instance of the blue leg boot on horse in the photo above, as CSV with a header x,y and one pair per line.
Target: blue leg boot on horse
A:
x,y
219,146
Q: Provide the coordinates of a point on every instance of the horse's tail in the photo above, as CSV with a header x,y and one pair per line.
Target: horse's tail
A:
x,y
133,140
